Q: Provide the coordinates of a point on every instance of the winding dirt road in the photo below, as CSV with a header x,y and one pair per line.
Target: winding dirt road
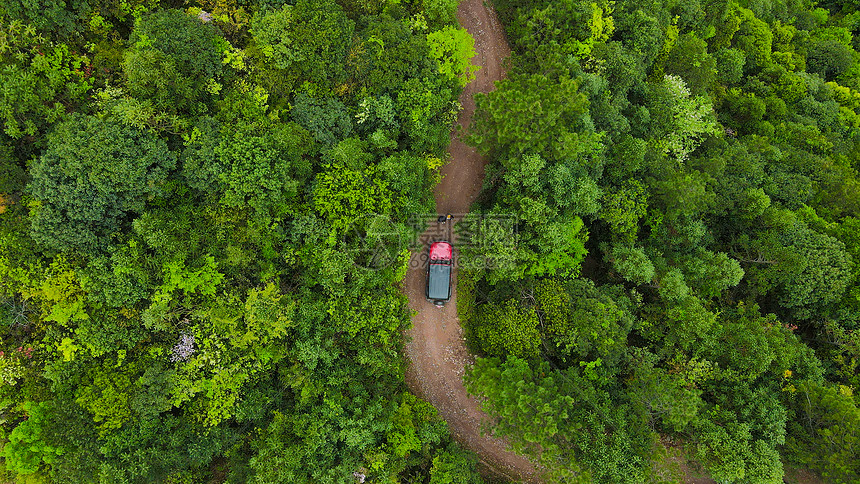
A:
x,y
435,345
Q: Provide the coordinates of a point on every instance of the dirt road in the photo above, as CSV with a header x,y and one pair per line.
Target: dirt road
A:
x,y
464,174
435,347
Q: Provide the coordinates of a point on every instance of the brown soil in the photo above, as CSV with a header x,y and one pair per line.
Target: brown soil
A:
x,y
795,475
691,472
463,175
435,345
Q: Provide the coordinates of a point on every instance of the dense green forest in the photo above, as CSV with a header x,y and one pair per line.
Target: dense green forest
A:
x,y
189,289
205,210
684,175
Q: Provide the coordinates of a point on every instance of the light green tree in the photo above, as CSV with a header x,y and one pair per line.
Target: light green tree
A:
x,y
508,329
632,264
453,49
526,114
27,451
686,121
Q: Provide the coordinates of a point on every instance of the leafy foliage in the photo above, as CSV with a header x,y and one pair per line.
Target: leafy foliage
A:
x,y
825,417
27,450
172,57
199,260
508,330
576,438
204,216
453,49
94,173
707,151
308,40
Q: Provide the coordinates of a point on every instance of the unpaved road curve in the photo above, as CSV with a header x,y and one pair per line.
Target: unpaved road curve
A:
x,y
435,346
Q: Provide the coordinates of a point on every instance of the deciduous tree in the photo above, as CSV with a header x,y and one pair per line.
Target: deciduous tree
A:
x,y
94,173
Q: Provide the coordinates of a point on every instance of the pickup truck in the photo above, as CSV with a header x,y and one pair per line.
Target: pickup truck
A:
x,y
441,260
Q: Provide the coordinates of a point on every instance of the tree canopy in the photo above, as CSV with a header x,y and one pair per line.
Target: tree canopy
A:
x,y
204,216
206,209
705,154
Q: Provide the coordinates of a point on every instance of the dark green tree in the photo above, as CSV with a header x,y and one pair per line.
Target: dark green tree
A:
x,y
823,432
527,113
306,41
564,420
94,174
172,57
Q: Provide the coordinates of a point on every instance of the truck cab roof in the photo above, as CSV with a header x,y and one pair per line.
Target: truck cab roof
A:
x,y
441,251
